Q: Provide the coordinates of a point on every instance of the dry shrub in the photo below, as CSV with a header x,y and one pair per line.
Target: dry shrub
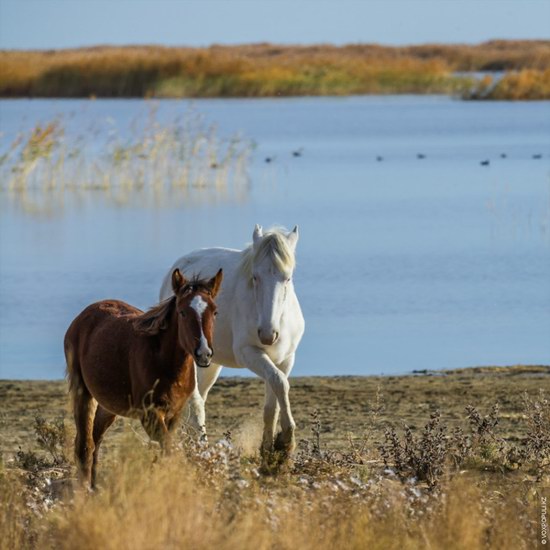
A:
x,y
433,454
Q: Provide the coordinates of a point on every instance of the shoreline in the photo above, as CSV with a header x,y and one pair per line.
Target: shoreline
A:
x,y
348,407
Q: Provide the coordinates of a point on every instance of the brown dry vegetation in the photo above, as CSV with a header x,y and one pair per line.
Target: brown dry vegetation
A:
x,y
527,84
259,69
337,492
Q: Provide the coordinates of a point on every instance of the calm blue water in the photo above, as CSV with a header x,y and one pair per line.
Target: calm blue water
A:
x,y
402,264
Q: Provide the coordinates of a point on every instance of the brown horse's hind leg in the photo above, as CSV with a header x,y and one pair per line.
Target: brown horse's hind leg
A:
x,y
103,419
84,408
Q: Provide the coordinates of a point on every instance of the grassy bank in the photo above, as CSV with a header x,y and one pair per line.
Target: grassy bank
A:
x,y
463,473
262,70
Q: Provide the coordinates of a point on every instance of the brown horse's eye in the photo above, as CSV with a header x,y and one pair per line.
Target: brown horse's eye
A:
x,y
182,313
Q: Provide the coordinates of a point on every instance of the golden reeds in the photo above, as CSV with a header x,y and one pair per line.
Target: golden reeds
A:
x,y
258,70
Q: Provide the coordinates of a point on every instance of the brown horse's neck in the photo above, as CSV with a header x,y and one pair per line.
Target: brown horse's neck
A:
x,y
174,360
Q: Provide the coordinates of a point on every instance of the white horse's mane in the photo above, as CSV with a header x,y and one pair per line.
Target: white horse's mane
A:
x,y
274,244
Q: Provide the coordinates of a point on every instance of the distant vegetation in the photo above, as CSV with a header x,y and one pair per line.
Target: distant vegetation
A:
x,y
261,70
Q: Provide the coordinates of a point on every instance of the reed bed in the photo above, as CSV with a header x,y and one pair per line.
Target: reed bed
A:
x,y
156,163
259,70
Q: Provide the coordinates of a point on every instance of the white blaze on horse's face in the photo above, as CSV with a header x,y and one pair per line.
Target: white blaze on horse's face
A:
x,y
203,353
270,290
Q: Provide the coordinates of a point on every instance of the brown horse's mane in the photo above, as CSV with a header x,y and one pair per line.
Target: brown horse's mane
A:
x,y
155,319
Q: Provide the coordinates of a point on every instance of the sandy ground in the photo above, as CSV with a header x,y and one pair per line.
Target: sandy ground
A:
x,y
347,406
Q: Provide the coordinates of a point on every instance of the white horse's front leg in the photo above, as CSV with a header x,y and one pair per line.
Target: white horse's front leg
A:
x,y
271,407
259,363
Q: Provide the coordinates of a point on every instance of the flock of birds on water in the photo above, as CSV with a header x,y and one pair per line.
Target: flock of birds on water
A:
x,y
419,156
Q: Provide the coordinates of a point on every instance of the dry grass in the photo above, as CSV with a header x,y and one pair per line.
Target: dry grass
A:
x,y
212,497
205,496
258,70
527,84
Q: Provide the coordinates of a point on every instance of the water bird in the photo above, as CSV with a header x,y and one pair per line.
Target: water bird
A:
x,y
420,156
379,158
298,152
537,156
484,163
269,159
503,155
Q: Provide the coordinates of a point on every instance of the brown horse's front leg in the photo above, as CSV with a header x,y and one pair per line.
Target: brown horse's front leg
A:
x,y
153,421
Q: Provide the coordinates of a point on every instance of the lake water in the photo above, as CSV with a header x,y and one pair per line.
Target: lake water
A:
x,y
403,263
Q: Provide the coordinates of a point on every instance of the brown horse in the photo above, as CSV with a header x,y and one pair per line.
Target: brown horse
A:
x,y
123,362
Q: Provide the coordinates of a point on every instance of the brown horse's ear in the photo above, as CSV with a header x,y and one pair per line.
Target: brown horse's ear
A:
x,y
178,280
215,283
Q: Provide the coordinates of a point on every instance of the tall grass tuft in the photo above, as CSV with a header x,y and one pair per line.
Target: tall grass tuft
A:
x,y
527,84
184,160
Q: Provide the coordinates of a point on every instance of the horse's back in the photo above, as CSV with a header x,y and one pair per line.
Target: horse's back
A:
x,y
105,323
98,314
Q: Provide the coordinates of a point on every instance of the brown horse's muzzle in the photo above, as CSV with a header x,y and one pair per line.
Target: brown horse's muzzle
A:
x,y
203,360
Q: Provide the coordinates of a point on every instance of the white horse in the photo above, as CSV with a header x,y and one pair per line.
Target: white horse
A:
x,y
259,324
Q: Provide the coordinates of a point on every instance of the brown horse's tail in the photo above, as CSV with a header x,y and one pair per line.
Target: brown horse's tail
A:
x,y
73,373
83,409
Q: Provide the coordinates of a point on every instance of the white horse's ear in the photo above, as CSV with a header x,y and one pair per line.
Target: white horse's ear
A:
x,y
293,237
257,235
178,281
215,283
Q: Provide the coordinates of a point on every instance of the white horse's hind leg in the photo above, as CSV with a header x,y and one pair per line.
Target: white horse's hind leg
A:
x,y
271,415
206,377
197,415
